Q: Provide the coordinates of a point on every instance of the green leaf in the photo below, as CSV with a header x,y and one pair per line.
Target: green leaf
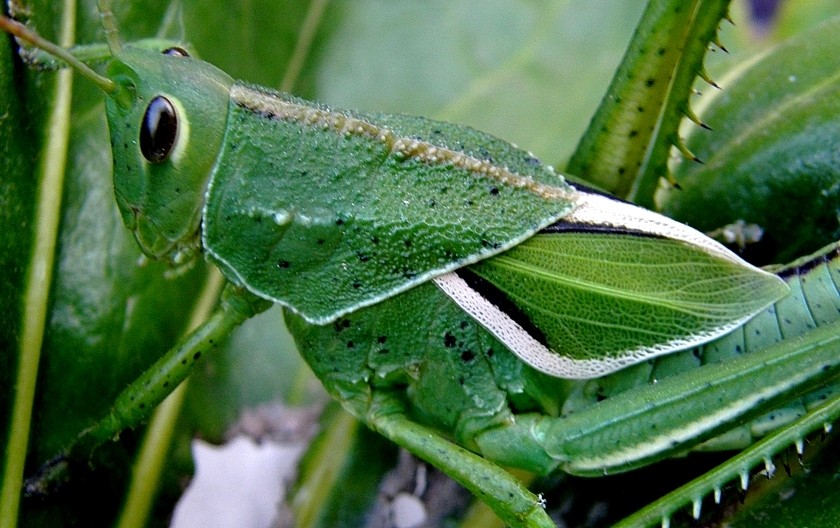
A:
x,y
18,142
109,313
529,72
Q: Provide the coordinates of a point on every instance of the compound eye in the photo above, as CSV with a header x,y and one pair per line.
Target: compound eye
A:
x,y
159,130
176,51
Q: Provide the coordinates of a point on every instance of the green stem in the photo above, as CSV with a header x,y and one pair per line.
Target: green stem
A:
x,y
53,160
303,46
325,466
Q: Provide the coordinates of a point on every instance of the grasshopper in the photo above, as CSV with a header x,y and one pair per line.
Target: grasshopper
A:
x,y
287,244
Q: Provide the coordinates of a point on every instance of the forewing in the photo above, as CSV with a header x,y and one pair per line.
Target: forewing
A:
x,y
325,211
581,301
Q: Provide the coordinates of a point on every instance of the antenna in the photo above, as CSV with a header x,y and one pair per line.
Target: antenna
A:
x,y
22,32
109,24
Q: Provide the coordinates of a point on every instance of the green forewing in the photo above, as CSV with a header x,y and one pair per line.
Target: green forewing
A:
x,y
608,300
325,211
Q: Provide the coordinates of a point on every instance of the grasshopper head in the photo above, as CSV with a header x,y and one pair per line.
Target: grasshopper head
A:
x,y
167,115
167,120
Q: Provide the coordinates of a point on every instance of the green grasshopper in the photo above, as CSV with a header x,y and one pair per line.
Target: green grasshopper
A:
x,y
360,275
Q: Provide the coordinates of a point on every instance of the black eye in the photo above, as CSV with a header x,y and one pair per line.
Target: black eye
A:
x,y
159,130
175,51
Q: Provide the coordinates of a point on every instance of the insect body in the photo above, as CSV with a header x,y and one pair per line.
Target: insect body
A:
x,y
345,210
346,219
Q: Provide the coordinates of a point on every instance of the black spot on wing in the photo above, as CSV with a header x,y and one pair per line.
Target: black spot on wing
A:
x,y
449,340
